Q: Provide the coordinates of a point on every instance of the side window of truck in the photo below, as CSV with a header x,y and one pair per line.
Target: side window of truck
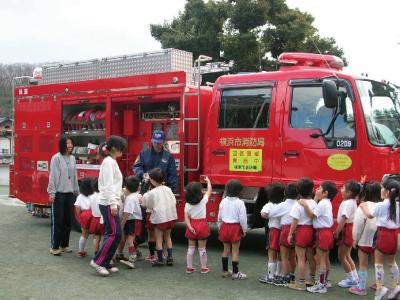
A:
x,y
308,111
245,108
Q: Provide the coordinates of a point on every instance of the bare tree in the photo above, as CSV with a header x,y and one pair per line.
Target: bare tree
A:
x,y
7,73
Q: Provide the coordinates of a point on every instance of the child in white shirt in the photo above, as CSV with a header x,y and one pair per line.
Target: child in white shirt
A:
x,y
322,216
301,234
287,253
387,214
82,206
196,222
364,230
275,195
97,227
345,217
232,218
131,221
162,204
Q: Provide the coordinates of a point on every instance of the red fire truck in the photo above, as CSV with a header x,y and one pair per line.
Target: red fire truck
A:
x,y
307,119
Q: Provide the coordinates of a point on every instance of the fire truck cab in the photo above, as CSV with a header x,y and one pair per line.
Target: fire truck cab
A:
x,y
307,119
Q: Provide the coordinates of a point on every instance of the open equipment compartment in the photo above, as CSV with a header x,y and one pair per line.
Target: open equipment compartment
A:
x,y
164,115
84,122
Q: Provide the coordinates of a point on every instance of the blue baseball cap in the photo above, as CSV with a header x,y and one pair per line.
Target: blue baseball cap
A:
x,y
158,137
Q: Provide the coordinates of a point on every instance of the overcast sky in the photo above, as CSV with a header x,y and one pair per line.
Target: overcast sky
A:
x,y
66,30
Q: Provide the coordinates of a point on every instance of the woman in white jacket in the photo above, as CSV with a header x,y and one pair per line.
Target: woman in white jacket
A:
x,y
110,191
364,230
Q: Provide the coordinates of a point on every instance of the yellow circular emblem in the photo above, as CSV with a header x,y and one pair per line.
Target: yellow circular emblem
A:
x,y
339,162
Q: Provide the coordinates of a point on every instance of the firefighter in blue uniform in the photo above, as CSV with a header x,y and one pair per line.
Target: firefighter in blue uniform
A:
x,y
157,157
154,157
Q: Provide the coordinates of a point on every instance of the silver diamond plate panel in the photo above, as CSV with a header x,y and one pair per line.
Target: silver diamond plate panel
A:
x,y
167,60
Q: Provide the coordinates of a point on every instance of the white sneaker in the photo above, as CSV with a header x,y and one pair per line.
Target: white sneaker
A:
x,y
113,270
347,283
66,250
328,284
395,293
130,264
239,276
265,279
317,289
381,293
133,258
55,252
99,269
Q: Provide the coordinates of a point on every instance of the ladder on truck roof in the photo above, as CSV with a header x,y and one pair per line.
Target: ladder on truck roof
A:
x,y
166,60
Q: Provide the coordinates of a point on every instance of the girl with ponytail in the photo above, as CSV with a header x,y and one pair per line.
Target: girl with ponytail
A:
x,y
388,222
364,232
110,190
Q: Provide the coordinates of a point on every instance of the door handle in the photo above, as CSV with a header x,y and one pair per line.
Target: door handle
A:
x,y
219,152
291,153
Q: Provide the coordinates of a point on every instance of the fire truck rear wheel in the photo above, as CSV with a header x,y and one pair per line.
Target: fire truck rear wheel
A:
x,y
75,224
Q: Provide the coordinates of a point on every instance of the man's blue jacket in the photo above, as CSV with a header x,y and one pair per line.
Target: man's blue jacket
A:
x,y
149,159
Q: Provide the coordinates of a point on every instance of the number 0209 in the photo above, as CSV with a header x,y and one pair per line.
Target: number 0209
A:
x,y
343,144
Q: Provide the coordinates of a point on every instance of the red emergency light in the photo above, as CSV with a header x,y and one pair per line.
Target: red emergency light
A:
x,y
311,60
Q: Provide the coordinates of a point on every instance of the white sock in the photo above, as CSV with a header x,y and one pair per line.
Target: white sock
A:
x,y
349,275
379,276
278,268
394,271
189,256
352,277
203,257
82,244
271,269
355,275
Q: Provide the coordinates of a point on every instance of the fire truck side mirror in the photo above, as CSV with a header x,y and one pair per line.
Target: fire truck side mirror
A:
x,y
330,93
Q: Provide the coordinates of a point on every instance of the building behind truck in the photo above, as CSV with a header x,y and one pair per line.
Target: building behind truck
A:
x,y
307,119
5,149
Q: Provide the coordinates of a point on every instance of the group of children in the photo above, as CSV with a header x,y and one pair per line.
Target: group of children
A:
x,y
157,209
300,234
300,225
161,216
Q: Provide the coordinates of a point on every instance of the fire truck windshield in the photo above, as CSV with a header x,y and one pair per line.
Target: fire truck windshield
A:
x,y
380,103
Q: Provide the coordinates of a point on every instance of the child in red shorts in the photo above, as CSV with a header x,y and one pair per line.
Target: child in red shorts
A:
x,y
151,239
364,231
301,234
197,227
275,195
387,214
132,219
160,200
322,222
97,227
232,220
287,252
82,206
347,209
